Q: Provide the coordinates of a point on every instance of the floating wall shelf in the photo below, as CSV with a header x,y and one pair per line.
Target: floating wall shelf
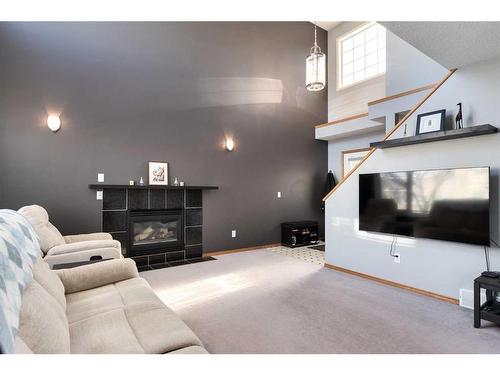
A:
x,y
472,131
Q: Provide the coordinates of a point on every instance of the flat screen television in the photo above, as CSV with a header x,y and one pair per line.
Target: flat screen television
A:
x,y
443,204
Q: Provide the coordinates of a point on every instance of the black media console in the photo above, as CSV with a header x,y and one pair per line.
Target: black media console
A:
x,y
299,233
490,310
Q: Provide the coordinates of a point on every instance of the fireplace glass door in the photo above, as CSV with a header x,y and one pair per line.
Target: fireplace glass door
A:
x,y
155,231
152,231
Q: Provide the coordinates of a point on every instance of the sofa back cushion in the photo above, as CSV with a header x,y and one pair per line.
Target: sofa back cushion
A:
x,y
48,234
43,325
49,280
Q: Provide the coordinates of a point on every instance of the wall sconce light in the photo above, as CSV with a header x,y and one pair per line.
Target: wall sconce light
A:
x,y
54,123
229,144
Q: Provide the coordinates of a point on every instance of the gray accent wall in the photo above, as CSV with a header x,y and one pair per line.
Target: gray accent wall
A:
x,y
132,92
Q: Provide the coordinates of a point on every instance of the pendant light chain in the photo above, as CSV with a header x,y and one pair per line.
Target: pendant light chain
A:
x,y
315,39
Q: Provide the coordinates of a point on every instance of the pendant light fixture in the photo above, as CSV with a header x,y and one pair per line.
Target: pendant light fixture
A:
x,y
315,67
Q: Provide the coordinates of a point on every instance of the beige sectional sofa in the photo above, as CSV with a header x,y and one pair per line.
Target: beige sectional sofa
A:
x,y
99,308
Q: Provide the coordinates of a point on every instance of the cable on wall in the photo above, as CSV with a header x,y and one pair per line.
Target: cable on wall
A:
x,y
487,258
393,246
487,254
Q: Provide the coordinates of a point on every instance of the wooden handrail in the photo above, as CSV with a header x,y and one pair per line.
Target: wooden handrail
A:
x,y
398,125
353,117
401,94
377,101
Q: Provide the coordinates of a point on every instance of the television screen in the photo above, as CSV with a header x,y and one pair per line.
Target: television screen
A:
x,y
446,204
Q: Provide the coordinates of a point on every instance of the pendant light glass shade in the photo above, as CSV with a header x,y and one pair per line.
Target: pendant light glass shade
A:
x,y
315,68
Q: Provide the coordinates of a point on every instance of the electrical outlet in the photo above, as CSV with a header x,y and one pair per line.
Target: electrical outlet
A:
x,y
279,194
99,195
233,233
397,258
100,177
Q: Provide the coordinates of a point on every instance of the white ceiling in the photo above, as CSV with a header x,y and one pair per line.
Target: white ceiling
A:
x,y
327,25
451,44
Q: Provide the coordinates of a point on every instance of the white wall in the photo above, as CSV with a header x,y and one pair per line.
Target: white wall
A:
x,y
335,149
437,266
352,100
407,67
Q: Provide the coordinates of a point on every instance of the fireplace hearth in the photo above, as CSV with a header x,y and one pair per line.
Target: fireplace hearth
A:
x,y
155,231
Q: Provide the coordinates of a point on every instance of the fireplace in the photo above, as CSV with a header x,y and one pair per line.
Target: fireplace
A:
x,y
120,203
155,231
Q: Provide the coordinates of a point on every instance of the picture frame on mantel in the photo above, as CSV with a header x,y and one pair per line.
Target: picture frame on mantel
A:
x,y
350,158
431,122
158,172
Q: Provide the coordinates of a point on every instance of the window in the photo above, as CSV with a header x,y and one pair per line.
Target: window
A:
x,y
361,55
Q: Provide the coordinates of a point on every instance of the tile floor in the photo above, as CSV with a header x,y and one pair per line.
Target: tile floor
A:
x,y
303,253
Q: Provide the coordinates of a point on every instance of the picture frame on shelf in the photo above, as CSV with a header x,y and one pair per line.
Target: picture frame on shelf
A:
x,y
350,158
158,172
431,122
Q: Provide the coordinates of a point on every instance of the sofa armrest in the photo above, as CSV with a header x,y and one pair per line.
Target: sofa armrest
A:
x,y
83,256
97,274
87,237
82,246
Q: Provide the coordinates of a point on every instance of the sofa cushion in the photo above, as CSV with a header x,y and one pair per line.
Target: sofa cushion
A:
x,y
42,324
159,329
49,280
195,349
106,333
125,317
47,233
20,347
91,302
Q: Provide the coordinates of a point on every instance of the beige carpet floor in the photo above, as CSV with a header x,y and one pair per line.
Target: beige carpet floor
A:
x,y
266,302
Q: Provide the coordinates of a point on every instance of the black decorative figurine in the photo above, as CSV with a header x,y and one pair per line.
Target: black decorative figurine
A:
x,y
459,124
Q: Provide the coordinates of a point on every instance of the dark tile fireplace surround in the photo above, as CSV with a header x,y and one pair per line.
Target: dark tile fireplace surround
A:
x,y
154,224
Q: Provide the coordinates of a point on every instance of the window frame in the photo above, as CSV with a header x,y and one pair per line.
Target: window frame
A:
x,y
338,50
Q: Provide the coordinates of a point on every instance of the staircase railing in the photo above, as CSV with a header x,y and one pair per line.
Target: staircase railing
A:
x,y
345,119
388,135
